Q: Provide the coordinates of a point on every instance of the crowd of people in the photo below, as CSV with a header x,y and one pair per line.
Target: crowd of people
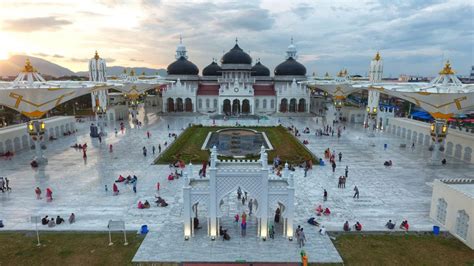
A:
x,y
5,184
51,222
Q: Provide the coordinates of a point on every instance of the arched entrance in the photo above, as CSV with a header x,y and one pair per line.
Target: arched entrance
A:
x,y
245,106
293,105
170,105
284,106
226,108
301,105
179,105
188,105
236,107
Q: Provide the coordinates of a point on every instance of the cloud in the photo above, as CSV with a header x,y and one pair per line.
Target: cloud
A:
x,y
48,55
58,56
135,60
35,24
79,60
303,10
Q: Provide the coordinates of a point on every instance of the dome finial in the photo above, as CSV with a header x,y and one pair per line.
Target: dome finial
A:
x,y
96,56
447,70
180,39
377,56
28,67
236,40
291,39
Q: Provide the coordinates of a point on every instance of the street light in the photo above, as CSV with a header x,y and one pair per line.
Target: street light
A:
x,y
36,130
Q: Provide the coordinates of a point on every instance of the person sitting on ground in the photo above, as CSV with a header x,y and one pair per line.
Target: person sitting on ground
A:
x,y
146,205
161,202
443,162
59,220
1,224
226,235
72,218
346,226
34,164
45,220
115,189
140,204
221,231
404,225
319,209
170,177
390,225
51,223
358,226
322,231
120,179
388,163
312,221
327,211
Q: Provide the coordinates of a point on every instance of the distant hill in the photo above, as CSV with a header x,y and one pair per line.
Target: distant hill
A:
x,y
14,64
117,70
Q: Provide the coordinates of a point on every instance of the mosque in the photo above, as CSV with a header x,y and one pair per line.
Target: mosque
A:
x,y
236,86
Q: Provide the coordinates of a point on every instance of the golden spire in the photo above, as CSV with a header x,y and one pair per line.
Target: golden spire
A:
x,y
125,71
132,72
143,73
377,57
96,56
345,72
340,74
28,67
327,75
447,70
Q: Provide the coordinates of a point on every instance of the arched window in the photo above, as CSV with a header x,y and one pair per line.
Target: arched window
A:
x,y
208,103
462,224
264,104
257,103
200,103
272,103
441,211
215,103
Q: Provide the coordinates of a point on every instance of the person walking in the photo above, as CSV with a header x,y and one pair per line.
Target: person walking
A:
x,y
250,206
116,132
144,151
325,195
239,193
135,187
340,156
301,238
148,134
356,194
153,149
243,228
7,184
38,193
100,138
49,195
333,166
346,172
272,232
159,148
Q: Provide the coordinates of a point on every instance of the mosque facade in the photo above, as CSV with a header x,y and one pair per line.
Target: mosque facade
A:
x,y
236,86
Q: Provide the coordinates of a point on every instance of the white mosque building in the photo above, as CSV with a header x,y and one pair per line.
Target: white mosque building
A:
x,y
236,86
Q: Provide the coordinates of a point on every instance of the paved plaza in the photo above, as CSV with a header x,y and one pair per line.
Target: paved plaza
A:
x,y
399,192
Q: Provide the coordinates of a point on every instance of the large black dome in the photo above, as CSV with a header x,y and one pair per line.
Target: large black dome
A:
x,y
260,70
182,67
290,68
212,69
236,56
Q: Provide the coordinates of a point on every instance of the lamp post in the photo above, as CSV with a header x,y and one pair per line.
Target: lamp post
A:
x,y
439,130
36,130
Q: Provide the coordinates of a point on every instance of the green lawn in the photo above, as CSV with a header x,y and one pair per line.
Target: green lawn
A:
x,y
67,249
358,249
188,146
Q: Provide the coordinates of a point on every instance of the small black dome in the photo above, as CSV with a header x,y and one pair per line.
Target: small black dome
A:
x,y
182,67
212,69
260,70
290,68
236,56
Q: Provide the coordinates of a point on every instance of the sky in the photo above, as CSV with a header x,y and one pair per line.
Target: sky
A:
x,y
413,37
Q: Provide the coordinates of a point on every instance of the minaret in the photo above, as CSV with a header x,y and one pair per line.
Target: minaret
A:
x,y
98,73
291,51
97,69
376,69
181,49
375,76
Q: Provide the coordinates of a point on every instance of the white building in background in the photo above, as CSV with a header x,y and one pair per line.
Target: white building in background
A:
x,y
98,73
452,206
236,86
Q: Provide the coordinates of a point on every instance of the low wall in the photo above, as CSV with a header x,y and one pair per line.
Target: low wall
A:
x,y
16,138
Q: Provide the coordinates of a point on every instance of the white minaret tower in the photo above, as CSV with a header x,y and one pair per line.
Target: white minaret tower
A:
x,y
291,51
375,76
98,73
376,69
181,49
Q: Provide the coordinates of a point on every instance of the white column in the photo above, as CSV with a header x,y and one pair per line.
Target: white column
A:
x,y
187,210
290,212
213,230
264,196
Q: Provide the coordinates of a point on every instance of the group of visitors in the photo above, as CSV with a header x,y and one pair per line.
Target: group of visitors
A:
x,y
300,236
357,226
59,220
128,180
142,205
160,202
7,155
322,211
342,182
5,184
49,194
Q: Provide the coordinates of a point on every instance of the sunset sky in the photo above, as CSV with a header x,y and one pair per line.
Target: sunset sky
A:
x,y
413,37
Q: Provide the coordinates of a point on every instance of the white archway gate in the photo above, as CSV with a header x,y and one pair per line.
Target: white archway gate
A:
x,y
224,177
